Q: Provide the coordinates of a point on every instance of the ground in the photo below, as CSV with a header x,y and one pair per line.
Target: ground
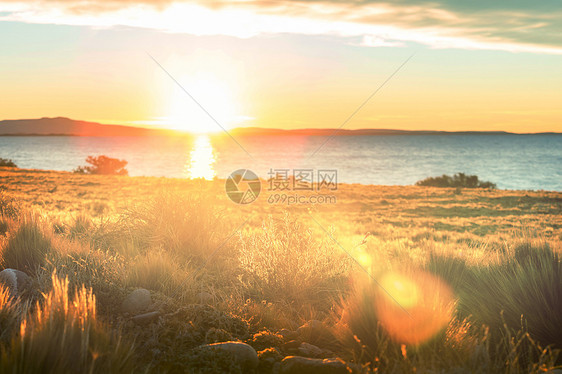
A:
x,y
266,267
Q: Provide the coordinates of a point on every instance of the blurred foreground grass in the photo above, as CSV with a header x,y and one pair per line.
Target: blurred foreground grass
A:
x,y
441,279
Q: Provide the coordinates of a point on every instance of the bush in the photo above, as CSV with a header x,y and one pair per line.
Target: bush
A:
x,y
527,288
7,163
287,262
457,180
155,270
8,206
186,225
26,250
462,346
103,165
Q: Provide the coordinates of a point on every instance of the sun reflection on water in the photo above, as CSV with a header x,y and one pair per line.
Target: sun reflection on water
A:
x,y
201,159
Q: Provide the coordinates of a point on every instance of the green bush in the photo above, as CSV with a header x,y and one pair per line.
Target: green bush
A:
x,y
7,163
103,165
457,180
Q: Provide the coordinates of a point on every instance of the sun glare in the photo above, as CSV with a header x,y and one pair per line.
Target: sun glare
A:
x,y
201,159
214,97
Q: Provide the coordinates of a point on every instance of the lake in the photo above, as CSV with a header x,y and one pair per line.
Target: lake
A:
x,y
510,161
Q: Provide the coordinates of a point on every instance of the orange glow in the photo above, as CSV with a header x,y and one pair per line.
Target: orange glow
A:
x,y
421,305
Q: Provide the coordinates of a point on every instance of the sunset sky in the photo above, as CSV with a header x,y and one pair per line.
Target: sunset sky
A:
x,y
476,65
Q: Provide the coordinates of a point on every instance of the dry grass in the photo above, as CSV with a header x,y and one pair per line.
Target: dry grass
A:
x,y
494,256
62,334
27,248
285,261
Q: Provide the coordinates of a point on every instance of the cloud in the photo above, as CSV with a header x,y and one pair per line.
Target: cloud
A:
x,y
516,25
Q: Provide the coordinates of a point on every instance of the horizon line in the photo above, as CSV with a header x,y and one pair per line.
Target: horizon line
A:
x,y
344,132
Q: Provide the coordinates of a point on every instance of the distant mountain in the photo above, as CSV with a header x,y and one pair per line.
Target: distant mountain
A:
x,y
70,127
344,132
67,126
241,131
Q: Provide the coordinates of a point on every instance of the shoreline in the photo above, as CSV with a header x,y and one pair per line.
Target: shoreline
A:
x,y
263,181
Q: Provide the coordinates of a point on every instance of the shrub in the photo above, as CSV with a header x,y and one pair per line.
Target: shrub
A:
x,y
187,225
103,165
526,288
287,262
457,180
64,336
155,270
463,346
27,249
7,163
8,206
99,270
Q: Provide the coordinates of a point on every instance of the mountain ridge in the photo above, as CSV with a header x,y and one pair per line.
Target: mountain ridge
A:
x,y
62,126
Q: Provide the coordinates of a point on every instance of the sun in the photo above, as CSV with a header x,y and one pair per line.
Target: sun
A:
x,y
211,98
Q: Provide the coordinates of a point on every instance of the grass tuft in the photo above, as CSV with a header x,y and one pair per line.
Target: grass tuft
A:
x,y
27,248
62,335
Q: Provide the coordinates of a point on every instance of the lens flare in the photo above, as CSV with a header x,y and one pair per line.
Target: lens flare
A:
x,y
413,307
364,258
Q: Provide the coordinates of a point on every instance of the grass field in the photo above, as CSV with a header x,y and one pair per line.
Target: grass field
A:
x,y
394,278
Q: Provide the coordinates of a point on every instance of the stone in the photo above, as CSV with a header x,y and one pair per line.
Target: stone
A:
x,y
269,358
309,350
146,318
244,354
303,365
137,301
15,281
291,347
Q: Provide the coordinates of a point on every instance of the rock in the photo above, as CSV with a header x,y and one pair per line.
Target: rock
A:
x,y
146,318
244,354
291,347
268,359
138,301
309,350
303,365
16,281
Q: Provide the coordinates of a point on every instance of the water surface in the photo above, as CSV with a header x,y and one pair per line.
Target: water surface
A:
x,y
510,161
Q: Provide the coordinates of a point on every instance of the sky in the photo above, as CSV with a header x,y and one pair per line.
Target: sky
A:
x,y
427,65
